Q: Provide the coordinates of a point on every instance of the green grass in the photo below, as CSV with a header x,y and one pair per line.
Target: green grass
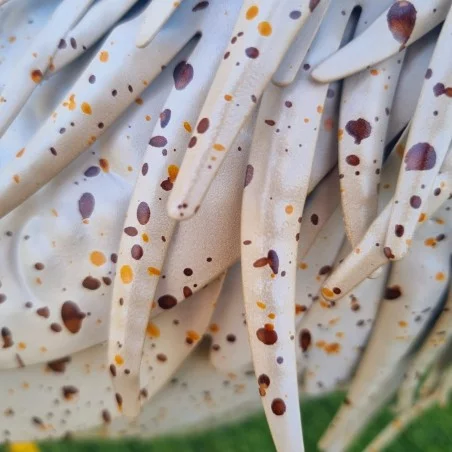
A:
x,y
432,433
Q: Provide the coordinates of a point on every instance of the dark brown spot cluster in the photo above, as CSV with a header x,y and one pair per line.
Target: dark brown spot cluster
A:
x,y
249,174
7,337
167,301
91,283
72,316
393,292
165,117
182,75
267,335
415,202
278,407
252,52
143,213
203,125
399,230
420,157
59,365
440,89
158,141
264,382
352,160
305,339
86,205
137,252
359,129
200,6
272,260
401,20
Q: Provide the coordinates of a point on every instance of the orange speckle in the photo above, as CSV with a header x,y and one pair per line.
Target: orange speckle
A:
x,y
299,308
16,178
271,316
22,345
119,360
261,305
130,169
218,147
440,276
320,344
289,209
147,117
43,349
103,56
126,274
252,12
86,108
340,134
339,334
214,328
38,281
139,101
327,293
36,76
439,221
11,39
303,266
145,237
319,108
97,258
332,349
227,97
403,324
187,127
173,171
374,71
105,165
193,335
92,139
422,217
265,28
306,120
153,271
70,104
328,124
152,330
54,212
20,153
400,149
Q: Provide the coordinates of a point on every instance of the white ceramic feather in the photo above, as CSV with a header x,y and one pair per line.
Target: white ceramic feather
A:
x,y
404,311
261,37
399,26
371,254
333,336
147,229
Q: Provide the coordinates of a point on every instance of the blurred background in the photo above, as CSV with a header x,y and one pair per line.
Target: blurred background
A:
x,y
431,433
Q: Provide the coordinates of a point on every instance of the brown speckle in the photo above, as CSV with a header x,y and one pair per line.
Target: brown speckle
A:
x,y
72,316
420,157
359,129
401,20
278,407
183,75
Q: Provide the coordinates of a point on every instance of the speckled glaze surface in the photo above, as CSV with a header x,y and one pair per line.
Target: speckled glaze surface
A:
x,y
198,218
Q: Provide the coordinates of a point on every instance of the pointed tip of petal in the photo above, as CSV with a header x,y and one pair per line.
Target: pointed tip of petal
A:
x,y
323,74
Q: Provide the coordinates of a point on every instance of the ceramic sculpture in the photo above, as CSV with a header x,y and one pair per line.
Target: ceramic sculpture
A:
x,y
196,215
